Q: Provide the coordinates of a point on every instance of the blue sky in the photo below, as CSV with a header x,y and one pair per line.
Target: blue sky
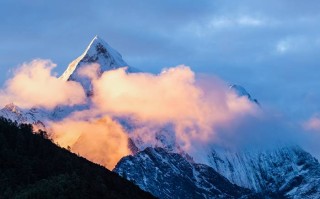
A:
x,y
271,47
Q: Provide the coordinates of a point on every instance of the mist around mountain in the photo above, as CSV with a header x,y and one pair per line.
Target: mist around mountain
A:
x,y
171,134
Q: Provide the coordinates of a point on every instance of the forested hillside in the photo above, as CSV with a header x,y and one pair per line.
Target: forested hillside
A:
x,y
31,166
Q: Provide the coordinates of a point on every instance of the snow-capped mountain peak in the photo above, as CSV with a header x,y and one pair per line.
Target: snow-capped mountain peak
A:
x,y
35,116
11,107
98,52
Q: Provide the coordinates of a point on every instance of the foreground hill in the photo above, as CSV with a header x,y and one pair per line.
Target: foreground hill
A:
x,y
31,166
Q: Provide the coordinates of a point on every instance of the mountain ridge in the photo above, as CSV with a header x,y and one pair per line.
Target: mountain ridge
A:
x,y
32,166
155,167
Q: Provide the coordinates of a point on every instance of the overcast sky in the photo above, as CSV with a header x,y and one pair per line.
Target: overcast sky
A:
x,y
271,47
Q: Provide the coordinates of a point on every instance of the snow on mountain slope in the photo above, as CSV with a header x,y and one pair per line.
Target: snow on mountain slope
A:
x,y
169,175
33,116
287,171
276,172
98,52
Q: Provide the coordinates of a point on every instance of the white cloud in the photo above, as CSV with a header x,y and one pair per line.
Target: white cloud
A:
x,y
283,46
244,21
249,21
34,85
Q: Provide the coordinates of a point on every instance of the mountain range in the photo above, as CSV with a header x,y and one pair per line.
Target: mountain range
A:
x,y
167,171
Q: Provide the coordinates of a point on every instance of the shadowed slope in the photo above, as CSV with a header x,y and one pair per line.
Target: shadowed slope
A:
x,y
33,167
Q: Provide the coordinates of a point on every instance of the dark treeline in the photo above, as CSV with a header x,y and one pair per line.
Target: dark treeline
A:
x,y
31,166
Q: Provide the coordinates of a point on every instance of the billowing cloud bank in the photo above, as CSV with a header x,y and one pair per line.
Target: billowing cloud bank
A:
x,y
102,141
34,85
173,96
197,112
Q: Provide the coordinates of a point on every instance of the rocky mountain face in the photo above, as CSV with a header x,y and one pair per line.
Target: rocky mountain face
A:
x,y
287,171
167,171
169,175
280,172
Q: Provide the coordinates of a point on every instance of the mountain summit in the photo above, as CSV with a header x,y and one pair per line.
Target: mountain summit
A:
x,y
98,52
